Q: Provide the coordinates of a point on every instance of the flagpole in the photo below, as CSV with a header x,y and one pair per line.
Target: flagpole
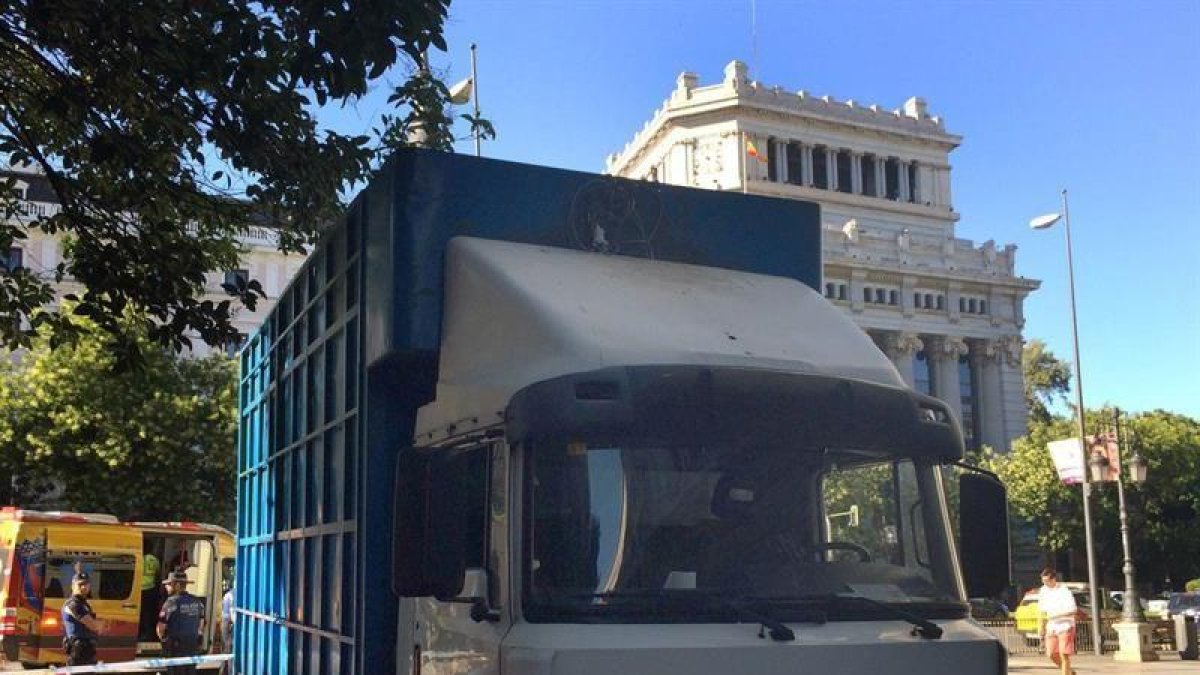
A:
x,y
475,98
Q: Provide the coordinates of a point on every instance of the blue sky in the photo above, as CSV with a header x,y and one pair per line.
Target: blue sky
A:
x,y
1102,98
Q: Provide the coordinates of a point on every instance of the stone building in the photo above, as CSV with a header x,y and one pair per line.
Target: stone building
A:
x,y
41,253
946,310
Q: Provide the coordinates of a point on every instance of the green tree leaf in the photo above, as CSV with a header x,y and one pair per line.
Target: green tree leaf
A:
x,y
123,114
152,443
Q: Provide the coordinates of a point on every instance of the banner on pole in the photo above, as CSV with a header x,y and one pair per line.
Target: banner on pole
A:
x,y
1067,455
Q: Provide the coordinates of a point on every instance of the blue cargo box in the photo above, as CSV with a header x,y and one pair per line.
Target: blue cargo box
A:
x,y
331,382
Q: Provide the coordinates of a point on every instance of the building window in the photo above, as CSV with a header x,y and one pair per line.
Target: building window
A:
x,y
973,306
970,414
829,290
893,297
866,294
880,296
795,163
912,182
841,291
236,279
867,165
772,160
941,302
962,305
820,161
891,178
922,381
13,260
844,164
983,306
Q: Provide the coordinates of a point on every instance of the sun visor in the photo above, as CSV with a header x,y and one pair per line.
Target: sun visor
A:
x,y
516,314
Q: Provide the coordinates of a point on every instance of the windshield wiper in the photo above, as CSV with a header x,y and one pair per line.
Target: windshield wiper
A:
x,y
775,628
921,626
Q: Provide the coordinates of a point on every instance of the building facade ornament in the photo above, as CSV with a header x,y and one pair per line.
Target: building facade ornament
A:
x,y
902,344
946,347
850,229
1012,347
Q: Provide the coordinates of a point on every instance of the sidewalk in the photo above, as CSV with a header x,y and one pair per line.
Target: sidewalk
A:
x,y
1090,663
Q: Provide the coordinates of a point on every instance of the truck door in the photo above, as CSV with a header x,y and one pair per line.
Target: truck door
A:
x,y
196,556
114,594
449,640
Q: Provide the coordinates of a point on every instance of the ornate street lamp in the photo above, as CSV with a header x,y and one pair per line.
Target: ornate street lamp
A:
x,y
1137,467
1099,467
1133,632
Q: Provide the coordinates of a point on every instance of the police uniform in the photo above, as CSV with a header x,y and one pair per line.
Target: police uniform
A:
x,y
182,614
79,641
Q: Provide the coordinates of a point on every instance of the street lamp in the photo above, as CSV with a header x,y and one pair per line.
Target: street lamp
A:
x,y
1137,466
1099,466
1042,223
1133,632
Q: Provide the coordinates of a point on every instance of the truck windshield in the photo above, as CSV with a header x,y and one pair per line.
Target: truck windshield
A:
x,y
629,533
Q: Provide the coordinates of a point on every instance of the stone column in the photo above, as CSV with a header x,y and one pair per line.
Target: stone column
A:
x,y
857,277
880,178
908,286
901,348
953,293
902,175
943,352
985,358
831,174
781,161
807,164
856,182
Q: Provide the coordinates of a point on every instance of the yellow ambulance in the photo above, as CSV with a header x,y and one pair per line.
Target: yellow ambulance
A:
x,y
41,550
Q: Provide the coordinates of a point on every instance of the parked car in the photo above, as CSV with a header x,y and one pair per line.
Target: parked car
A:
x,y
988,609
1027,615
1156,608
1185,604
1117,600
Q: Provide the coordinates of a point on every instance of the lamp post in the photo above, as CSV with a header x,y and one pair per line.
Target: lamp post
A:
x,y
1042,223
1133,632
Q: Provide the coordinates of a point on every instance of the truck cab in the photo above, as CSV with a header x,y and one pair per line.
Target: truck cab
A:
x,y
637,466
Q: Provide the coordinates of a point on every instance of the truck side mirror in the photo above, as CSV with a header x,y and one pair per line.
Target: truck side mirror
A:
x,y
428,537
983,530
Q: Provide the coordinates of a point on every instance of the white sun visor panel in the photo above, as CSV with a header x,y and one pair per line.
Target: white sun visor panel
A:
x,y
517,314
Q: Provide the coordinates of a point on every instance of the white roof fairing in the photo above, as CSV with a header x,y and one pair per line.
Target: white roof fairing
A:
x,y
516,314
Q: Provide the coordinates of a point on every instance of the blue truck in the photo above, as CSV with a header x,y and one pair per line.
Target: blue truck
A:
x,y
513,419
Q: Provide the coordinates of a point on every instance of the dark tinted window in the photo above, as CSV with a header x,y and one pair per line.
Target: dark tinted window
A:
x,y
112,576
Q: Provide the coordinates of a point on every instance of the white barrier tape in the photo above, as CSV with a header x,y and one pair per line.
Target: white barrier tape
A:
x,y
141,665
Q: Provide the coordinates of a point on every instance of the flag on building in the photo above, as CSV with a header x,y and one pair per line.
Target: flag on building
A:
x,y
753,151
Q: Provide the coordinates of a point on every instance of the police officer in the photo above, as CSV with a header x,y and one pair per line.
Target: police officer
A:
x,y
180,622
80,623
